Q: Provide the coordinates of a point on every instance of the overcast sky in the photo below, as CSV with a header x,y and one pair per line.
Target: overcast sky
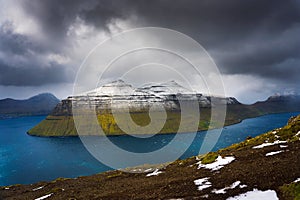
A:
x,y
255,43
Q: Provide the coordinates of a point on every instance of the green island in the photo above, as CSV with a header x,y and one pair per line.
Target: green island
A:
x,y
61,123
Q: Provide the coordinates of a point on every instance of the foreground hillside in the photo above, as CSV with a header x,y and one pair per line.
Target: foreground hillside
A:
x,y
41,104
260,167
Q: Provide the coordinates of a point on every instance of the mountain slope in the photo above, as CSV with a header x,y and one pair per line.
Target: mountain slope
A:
x,y
118,95
267,164
41,104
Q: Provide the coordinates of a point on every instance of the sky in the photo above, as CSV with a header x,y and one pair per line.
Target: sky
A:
x,y
254,43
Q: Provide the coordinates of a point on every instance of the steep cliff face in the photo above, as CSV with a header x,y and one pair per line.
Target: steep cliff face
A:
x,y
119,95
63,108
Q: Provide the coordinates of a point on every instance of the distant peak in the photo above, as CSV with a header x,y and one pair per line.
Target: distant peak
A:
x,y
118,82
44,95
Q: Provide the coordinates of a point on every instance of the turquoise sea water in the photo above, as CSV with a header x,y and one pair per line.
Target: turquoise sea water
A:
x,y
26,159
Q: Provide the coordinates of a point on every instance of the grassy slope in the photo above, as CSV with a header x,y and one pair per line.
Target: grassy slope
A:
x,y
63,125
251,166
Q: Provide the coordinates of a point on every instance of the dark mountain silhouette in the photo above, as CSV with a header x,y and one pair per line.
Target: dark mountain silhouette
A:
x,y
41,104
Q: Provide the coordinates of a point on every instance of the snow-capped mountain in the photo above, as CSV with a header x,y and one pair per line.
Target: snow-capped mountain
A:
x,y
167,88
120,94
121,88
118,87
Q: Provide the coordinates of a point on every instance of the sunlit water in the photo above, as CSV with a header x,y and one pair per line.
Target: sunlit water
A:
x,y
27,159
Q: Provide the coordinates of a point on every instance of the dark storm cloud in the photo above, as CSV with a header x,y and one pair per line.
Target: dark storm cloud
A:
x,y
22,61
249,36
31,75
56,16
12,43
258,37
255,37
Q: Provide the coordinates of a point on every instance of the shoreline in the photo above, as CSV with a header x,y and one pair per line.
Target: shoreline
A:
x,y
177,179
291,113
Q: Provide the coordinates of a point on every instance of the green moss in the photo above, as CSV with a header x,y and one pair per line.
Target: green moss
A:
x,y
116,174
59,179
209,158
55,126
64,125
290,191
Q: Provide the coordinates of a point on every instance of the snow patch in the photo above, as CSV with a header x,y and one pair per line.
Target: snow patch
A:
x,y
232,186
218,164
44,197
202,183
176,199
170,87
268,144
220,191
148,170
155,173
283,146
38,188
274,153
297,180
118,87
7,188
256,194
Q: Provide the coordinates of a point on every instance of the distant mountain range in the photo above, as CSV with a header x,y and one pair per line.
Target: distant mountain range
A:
x,y
41,104
119,95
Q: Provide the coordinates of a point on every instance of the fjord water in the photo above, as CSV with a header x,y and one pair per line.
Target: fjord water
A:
x,y
26,159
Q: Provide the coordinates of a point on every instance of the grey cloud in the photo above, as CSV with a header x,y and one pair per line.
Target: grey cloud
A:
x,y
23,62
32,75
17,44
244,37
222,27
13,43
56,16
258,37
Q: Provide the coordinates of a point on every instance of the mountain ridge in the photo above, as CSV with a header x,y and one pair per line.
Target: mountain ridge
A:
x,y
41,104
